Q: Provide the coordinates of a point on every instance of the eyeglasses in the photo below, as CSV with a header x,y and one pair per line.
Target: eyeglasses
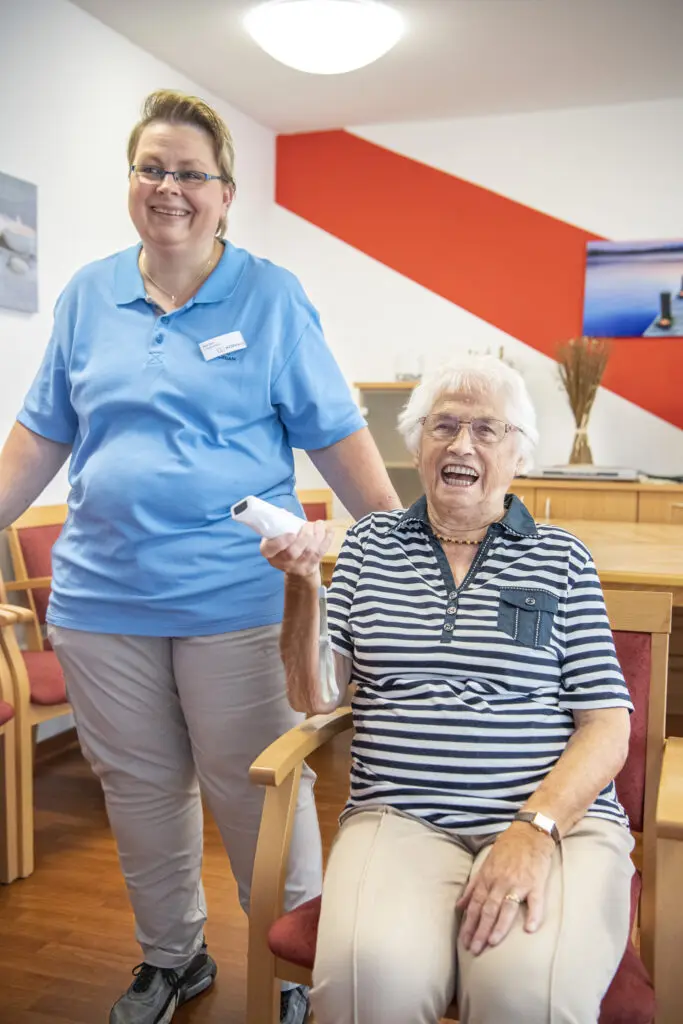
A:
x,y
483,430
150,175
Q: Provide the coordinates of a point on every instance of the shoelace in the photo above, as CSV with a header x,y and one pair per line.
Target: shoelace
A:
x,y
144,976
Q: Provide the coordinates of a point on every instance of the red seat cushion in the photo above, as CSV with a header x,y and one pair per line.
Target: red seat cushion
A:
x,y
45,677
630,998
6,712
314,510
36,547
293,936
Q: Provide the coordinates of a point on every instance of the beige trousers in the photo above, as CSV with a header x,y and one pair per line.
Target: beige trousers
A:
x,y
160,718
388,949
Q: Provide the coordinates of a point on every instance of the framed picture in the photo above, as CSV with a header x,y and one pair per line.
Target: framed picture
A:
x,y
18,244
634,290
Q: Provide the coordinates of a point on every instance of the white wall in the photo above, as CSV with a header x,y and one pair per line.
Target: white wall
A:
x,y
70,91
594,168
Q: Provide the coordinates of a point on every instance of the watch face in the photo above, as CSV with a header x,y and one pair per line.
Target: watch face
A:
x,y
545,823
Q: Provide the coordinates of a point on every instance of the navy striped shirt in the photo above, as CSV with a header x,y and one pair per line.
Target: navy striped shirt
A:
x,y
465,695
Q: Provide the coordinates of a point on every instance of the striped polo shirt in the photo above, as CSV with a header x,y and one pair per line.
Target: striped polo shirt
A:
x,y
465,694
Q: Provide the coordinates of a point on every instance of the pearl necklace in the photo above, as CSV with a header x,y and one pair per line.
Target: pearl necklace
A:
x,y
203,274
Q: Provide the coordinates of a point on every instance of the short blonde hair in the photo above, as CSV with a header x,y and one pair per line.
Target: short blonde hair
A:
x,y
172,107
473,375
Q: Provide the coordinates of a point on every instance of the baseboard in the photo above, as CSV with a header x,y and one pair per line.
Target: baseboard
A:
x,y
56,745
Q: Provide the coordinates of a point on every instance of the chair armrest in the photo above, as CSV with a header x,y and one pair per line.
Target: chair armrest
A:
x,y
273,766
38,583
18,613
7,616
670,800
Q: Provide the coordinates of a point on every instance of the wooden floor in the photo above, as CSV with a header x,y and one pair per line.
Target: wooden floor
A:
x,y
66,933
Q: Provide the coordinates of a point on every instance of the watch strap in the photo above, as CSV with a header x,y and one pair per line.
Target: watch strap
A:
x,y
541,822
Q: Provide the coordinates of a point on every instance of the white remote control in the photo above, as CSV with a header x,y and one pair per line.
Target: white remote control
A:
x,y
266,519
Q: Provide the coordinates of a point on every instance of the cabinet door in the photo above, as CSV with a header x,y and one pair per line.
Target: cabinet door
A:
x,y
660,508
526,492
610,505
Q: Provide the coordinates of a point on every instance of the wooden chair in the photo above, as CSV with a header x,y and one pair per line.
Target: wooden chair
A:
x,y
650,786
9,865
31,539
39,695
317,504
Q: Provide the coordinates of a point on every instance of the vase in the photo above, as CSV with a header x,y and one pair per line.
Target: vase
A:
x,y
581,453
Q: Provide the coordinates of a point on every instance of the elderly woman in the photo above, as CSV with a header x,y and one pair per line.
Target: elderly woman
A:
x,y
179,375
482,851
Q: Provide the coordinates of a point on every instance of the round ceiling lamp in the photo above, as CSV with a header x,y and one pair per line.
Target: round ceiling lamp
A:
x,y
325,37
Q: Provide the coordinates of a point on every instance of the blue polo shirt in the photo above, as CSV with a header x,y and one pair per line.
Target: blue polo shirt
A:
x,y
164,441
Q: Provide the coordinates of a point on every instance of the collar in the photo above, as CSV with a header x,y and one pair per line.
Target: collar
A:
x,y
129,287
517,521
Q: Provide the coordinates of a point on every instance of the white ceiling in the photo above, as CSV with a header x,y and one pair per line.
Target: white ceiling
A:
x,y
459,58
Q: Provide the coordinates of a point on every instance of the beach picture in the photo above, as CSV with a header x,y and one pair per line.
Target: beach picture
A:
x,y
18,262
634,290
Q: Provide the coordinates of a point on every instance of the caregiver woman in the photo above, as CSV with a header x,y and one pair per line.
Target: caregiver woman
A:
x,y
179,376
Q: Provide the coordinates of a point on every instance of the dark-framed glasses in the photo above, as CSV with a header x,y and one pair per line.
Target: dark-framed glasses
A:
x,y
186,179
483,429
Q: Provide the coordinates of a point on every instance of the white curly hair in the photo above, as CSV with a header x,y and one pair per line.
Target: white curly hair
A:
x,y
474,375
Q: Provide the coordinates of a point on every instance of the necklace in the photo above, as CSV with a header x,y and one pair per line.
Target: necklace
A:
x,y
456,540
203,273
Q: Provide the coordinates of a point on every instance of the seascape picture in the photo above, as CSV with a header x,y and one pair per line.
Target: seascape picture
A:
x,y
634,289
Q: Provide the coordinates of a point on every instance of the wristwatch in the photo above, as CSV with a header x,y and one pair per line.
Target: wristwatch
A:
x,y
541,822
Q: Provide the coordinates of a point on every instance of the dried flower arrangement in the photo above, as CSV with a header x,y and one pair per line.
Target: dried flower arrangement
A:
x,y
582,363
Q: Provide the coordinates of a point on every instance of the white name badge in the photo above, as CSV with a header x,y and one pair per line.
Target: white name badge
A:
x,y
222,345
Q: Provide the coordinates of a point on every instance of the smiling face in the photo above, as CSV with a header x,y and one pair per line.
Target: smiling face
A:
x,y
465,481
166,217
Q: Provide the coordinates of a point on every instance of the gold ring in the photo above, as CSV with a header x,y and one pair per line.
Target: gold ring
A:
x,y
513,897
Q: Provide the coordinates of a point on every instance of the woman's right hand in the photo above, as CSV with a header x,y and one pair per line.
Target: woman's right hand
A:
x,y
299,554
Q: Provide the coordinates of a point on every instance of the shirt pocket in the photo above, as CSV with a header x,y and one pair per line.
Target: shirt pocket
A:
x,y
527,615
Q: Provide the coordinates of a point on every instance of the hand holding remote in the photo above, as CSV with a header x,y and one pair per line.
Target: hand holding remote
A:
x,y
266,519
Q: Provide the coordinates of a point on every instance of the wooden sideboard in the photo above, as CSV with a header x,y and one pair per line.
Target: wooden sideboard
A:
x,y
607,500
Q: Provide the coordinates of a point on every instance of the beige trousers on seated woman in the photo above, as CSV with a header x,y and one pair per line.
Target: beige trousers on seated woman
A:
x,y
388,950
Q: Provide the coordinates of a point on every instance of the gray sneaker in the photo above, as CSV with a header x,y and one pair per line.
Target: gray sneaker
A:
x,y
294,1005
157,992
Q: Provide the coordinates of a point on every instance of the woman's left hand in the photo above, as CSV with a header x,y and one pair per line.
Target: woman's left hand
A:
x,y
299,554
518,865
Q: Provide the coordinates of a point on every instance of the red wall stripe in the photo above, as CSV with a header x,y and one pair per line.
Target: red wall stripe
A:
x,y
516,268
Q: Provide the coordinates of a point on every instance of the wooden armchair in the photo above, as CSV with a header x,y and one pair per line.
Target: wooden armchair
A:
x,y
650,786
9,865
39,695
317,503
31,539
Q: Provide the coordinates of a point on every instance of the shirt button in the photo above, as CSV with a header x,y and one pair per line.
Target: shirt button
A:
x,y
163,319
448,627
451,610
158,338
530,600
453,594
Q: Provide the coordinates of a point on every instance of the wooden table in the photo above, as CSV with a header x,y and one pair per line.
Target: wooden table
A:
x,y
628,556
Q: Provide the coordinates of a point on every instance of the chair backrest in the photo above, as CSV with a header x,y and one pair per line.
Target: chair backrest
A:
x,y
31,539
641,624
317,504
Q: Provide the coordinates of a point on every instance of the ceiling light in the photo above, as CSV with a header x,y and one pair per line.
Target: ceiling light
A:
x,y
325,37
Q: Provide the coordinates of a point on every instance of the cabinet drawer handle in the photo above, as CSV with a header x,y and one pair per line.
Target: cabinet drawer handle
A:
x,y
547,508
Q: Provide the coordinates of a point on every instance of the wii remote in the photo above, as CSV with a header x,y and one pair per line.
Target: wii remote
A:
x,y
266,519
